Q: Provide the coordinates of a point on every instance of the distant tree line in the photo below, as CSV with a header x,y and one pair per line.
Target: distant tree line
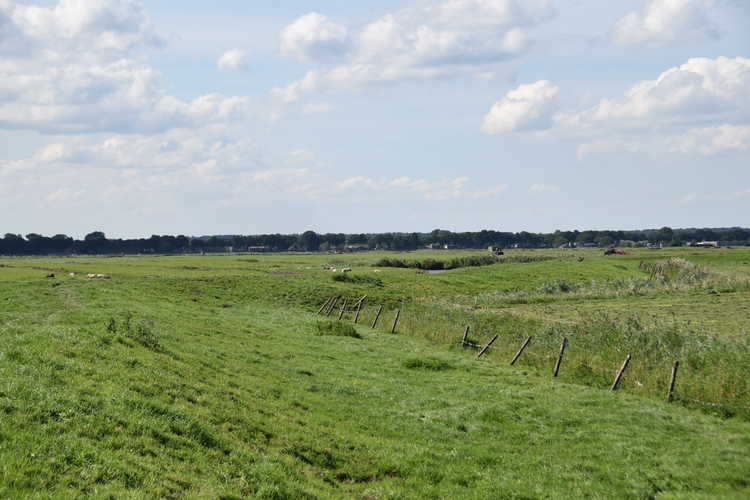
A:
x,y
310,241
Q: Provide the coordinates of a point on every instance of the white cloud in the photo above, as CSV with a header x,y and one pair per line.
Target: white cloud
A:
x,y
151,170
232,59
428,190
712,140
528,107
700,90
544,188
428,40
82,25
702,106
662,22
137,170
313,37
72,72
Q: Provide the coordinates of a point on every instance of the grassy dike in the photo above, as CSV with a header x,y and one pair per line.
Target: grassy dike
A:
x,y
181,386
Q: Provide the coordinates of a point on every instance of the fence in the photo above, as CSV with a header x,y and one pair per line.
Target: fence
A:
x,y
620,371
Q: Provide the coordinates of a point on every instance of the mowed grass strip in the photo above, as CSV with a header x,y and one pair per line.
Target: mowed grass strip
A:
x,y
182,387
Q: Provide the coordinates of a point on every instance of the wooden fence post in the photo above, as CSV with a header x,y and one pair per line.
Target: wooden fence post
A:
x,y
395,320
620,373
466,336
343,308
560,357
325,305
673,381
520,351
485,348
359,309
333,305
377,317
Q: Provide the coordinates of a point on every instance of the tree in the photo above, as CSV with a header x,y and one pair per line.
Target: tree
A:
x,y
95,242
309,241
665,234
604,241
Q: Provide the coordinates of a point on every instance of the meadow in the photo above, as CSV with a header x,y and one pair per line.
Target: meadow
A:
x,y
214,377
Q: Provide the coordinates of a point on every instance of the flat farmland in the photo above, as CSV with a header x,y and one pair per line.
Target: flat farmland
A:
x,y
214,377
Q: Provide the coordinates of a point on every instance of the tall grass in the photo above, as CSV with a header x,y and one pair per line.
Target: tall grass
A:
x,y
713,370
666,277
458,262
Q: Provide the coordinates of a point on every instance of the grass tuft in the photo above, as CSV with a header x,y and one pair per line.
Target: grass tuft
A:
x,y
141,331
336,329
428,363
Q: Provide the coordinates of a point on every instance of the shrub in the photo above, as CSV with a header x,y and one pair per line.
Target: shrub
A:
x,y
337,329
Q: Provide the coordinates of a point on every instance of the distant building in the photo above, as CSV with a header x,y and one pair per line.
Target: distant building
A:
x,y
258,249
714,244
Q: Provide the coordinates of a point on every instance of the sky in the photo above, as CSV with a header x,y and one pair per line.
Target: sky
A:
x,y
235,117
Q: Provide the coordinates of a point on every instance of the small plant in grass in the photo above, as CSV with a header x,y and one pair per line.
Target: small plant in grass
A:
x,y
428,363
141,331
336,329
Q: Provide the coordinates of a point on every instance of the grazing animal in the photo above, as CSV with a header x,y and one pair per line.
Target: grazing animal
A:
x,y
346,270
51,275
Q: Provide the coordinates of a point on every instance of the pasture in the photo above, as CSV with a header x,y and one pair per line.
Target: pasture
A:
x,y
213,377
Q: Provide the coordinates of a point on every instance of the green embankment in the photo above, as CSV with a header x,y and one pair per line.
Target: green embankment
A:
x,y
213,378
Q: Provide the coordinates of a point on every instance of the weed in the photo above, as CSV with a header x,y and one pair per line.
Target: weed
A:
x,y
141,332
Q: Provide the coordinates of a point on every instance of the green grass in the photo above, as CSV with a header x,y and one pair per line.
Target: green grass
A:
x,y
208,377
337,329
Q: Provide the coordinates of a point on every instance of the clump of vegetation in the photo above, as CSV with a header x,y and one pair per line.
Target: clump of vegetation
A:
x,y
336,329
357,278
141,331
712,366
428,363
558,286
524,259
439,265
675,270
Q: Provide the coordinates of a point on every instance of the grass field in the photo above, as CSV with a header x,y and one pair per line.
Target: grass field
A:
x,y
212,377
